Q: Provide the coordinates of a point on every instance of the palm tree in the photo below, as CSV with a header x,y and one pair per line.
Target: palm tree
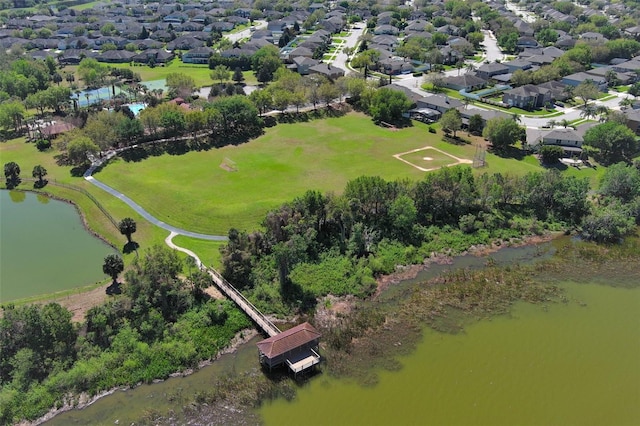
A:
x,y
516,118
11,171
112,266
603,112
470,67
552,123
39,172
588,111
568,90
626,102
565,123
127,227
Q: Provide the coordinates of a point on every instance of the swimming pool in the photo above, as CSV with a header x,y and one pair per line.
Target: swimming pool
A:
x,y
136,107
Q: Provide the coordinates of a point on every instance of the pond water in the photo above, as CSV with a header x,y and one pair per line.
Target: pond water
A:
x,y
44,247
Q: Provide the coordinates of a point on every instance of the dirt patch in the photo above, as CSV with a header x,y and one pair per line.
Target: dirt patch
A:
x,y
214,292
80,303
331,309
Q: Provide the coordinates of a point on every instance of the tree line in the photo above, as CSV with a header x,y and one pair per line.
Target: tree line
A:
x,y
327,243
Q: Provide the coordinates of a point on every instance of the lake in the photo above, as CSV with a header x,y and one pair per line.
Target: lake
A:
x,y
564,364
44,247
573,363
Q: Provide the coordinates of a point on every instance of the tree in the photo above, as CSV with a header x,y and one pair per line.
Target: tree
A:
x,y
181,85
92,72
39,172
112,266
328,91
265,62
262,99
238,76
127,226
12,114
608,224
550,154
586,91
12,173
615,142
620,181
387,105
588,111
503,132
221,73
79,149
451,121
476,124
365,60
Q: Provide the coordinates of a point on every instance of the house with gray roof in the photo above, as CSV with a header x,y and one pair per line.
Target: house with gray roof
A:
x,y
466,82
439,103
487,71
527,97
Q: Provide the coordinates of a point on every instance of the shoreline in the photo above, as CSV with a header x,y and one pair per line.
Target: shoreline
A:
x,y
84,400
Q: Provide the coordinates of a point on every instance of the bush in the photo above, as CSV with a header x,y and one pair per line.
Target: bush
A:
x,y
43,144
550,154
432,130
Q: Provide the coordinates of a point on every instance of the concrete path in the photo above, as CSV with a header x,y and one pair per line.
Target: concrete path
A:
x,y
135,206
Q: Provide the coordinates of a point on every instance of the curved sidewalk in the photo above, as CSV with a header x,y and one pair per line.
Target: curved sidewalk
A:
x,y
142,212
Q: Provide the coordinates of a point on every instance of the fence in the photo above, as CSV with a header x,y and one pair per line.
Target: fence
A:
x,y
79,189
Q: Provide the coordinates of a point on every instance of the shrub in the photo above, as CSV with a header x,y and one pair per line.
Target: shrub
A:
x,y
43,144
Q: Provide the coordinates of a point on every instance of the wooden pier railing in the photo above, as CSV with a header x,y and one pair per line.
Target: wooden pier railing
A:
x,y
242,302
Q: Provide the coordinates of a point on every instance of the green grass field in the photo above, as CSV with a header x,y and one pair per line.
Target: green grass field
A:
x,y
192,191
201,73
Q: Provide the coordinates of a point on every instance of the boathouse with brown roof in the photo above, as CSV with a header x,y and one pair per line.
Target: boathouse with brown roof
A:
x,y
297,348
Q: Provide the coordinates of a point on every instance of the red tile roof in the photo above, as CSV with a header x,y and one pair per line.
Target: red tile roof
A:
x,y
288,340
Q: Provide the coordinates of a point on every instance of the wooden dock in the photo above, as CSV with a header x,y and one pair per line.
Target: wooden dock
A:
x,y
230,291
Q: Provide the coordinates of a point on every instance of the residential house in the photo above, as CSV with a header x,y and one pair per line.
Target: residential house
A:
x,y
115,56
153,56
623,77
327,70
579,77
525,41
186,42
593,37
199,55
466,82
394,65
527,97
556,90
468,111
439,103
489,70
569,139
518,64
386,29
633,119
301,64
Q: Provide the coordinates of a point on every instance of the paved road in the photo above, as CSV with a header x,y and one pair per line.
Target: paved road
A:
x,y
258,25
351,40
142,212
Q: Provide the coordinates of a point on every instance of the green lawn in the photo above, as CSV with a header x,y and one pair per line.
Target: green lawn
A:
x,y
200,73
192,191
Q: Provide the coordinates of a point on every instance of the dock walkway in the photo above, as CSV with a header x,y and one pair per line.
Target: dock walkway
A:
x,y
242,302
